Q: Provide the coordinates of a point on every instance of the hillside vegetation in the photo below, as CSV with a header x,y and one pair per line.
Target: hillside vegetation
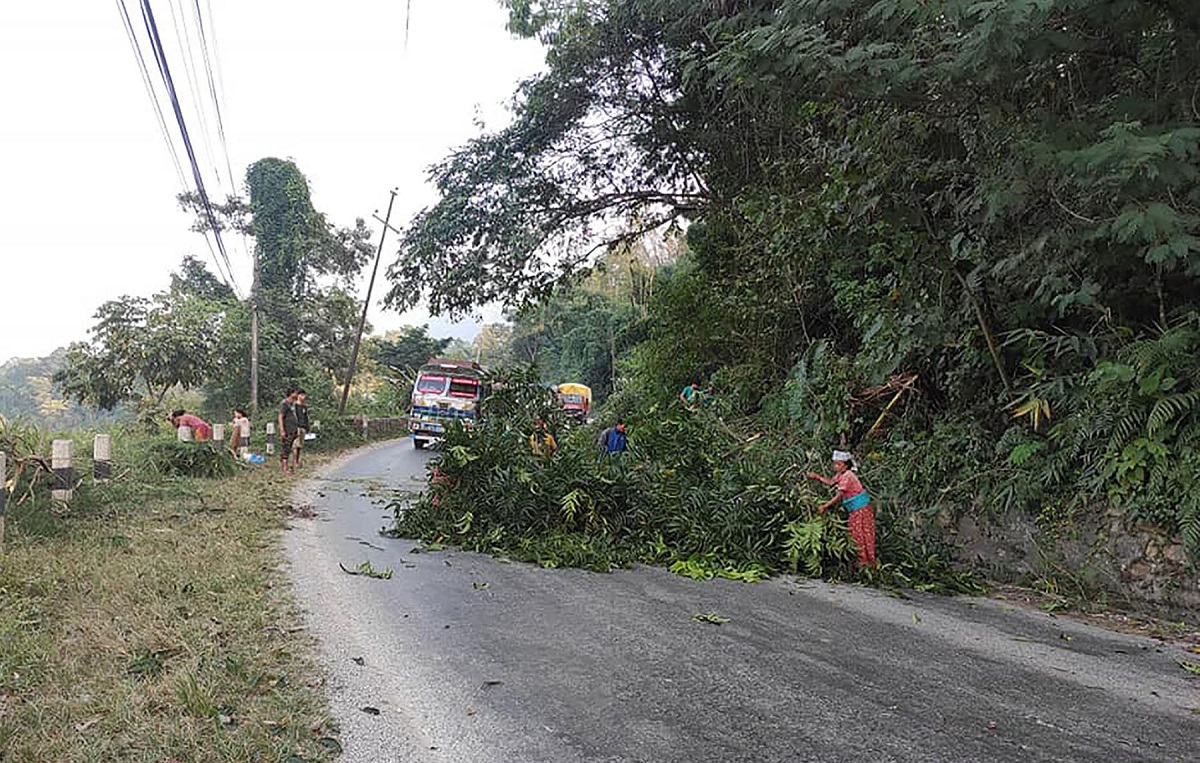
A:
x,y
959,237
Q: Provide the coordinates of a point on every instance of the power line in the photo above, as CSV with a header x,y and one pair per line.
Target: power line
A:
x,y
184,38
212,86
151,91
216,49
218,95
165,71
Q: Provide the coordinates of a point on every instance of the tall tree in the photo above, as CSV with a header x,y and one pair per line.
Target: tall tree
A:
x,y
142,348
305,271
407,348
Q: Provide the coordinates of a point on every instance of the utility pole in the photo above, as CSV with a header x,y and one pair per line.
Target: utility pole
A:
x,y
362,321
254,341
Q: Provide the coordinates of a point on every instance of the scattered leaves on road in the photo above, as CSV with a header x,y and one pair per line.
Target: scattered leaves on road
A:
x,y
1065,636
1191,667
366,570
479,585
916,618
712,618
370,710
358,660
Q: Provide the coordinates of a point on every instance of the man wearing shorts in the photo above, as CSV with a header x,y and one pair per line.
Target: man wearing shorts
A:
x,y
288,428
302,426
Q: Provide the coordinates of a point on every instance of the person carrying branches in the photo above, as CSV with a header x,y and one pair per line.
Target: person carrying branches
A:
x,y
854,499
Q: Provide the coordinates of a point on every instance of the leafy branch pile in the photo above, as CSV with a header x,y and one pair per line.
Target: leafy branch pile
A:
x,y
702,497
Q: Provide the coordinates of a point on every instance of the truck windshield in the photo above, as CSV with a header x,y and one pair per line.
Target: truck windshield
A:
x,y
432,385
464,388
573,399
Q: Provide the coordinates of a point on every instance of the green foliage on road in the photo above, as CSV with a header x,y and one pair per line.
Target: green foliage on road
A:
x,y
705,498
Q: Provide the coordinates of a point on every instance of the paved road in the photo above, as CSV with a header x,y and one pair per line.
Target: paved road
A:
x,y
565,665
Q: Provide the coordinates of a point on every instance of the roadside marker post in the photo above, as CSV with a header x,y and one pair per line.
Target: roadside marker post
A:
x,y
270,438
184,433
218,433
64,474
102,459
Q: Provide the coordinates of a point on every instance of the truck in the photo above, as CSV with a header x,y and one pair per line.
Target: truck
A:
x,y
446,390
574,399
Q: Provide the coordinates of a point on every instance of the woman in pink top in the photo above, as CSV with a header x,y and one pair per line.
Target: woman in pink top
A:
x,y
855,501
200,428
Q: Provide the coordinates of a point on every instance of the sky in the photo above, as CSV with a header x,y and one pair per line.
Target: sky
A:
x,y
88,186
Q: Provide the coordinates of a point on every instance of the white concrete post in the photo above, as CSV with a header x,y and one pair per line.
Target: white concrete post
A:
x,y
64,474
101,459
366,425
184,433
270,438
219,433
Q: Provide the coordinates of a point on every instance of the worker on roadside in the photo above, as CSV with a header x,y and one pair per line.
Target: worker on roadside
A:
x,y
302,426
854,499
201,430
541,441
693,396
616,441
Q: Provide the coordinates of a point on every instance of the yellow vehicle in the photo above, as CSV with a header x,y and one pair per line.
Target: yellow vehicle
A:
x,y
575,399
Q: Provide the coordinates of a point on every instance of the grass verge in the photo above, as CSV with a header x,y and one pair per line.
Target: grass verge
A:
x,y
153,623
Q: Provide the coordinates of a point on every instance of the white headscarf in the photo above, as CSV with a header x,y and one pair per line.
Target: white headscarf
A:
x,y
842,455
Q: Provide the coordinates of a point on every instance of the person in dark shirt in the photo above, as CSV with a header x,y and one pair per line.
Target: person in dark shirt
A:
x,y
288,427
302,426
616,441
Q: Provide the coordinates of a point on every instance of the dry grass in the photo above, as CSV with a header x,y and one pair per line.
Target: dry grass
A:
x,y
155,625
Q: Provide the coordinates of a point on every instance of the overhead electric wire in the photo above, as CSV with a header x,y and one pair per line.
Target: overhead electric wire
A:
x,y
165,71
151,91
218,96
407,19
190,68
212,83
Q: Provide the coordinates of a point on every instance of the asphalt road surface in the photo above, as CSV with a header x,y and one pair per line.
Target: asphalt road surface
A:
x,y
464,658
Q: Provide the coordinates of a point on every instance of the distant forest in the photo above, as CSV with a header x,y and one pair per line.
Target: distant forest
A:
x,y
27,393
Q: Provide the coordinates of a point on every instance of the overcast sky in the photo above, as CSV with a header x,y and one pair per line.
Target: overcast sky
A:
x,y
87,194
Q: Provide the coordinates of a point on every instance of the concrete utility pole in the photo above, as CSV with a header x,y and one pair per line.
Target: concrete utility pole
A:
x,y
254,341
362,321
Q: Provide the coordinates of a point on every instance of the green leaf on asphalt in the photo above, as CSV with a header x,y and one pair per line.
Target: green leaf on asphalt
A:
x,y
366,570
711,618
1191,667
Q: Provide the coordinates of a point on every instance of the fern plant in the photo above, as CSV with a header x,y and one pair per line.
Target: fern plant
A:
x,y
816,543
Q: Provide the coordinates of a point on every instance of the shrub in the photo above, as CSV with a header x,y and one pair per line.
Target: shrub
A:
x,y
188,459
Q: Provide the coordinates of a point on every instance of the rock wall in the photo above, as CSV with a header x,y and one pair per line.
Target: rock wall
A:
x,y
1093,557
